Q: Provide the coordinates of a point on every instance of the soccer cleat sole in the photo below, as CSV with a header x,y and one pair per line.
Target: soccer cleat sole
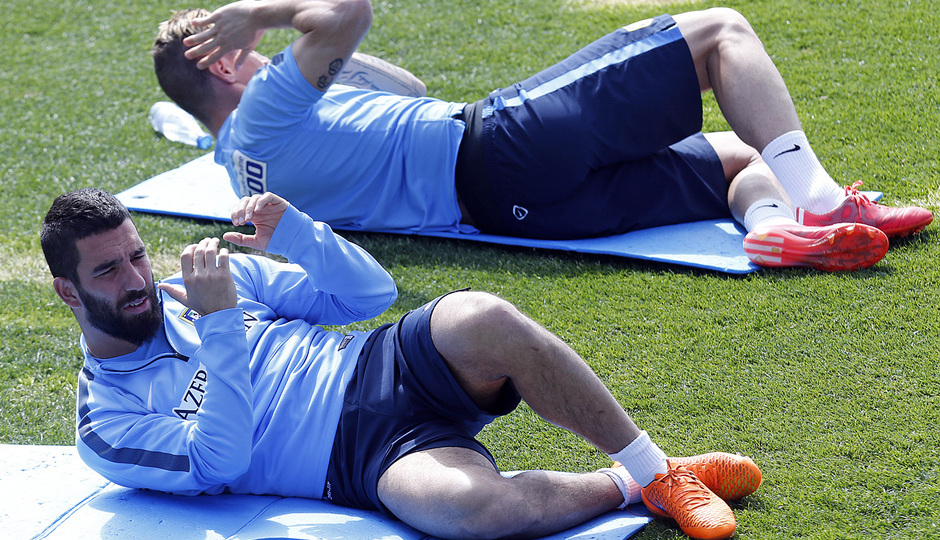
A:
x,y
841,247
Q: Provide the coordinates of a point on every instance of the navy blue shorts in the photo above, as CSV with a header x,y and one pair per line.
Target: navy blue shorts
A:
x,y
607,141
402,399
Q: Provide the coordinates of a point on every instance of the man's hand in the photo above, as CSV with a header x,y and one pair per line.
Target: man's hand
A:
x,y
264,212
229,28
207,279
332,29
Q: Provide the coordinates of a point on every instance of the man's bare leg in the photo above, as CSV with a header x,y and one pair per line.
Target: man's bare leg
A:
x,y
762,206
456,493
750,179
731,61
487,343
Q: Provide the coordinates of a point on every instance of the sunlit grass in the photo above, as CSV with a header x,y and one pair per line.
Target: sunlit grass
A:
x,y
828,381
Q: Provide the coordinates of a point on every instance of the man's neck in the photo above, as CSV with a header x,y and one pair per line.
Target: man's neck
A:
x,y
104,350
214,124
225,100
102,345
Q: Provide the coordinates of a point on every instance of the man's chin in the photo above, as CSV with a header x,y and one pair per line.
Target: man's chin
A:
x,y
144,327
135,329
144,335
129,321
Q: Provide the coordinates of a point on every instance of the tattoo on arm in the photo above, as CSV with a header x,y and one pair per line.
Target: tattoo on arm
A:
x,y
336,66
326,79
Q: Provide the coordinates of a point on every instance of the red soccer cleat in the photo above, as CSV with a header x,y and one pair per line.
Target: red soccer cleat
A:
x,y
857,208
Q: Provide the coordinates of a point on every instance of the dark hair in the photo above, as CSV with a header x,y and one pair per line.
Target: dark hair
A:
x,y
72,217
180,79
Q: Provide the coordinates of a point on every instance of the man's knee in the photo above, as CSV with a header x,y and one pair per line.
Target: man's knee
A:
x,y
730,25
484,341
711,27
474,313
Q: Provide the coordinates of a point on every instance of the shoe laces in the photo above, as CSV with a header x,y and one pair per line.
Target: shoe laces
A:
x,y
860,198
683,487
706,471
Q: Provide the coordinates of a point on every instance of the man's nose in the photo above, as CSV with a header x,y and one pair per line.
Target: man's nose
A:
x,y
135,279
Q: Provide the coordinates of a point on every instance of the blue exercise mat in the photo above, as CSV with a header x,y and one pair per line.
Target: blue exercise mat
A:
x,y
201,189
48,493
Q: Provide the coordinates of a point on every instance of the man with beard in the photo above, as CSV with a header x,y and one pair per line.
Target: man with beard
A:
x,y
136,315
224,381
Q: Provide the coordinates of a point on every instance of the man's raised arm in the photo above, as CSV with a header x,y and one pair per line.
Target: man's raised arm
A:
x,y
332,29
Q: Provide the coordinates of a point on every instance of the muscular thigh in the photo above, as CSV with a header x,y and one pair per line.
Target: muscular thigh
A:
x,y
441,490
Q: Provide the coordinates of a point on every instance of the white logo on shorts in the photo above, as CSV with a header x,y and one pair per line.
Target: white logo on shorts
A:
x,y
519,212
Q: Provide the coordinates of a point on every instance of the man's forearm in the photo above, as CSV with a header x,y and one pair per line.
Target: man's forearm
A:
x,y
302,15
332,29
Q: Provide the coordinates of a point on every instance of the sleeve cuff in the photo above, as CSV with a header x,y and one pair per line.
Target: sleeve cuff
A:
x,y
220,322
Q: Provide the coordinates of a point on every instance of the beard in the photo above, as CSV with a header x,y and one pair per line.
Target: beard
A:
x,y
109,319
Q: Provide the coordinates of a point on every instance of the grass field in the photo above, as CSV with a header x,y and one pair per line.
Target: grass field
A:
x,y
828,381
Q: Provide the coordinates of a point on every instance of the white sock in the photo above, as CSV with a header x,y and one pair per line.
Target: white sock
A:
x,y
642,459
625,483
795,164
767,212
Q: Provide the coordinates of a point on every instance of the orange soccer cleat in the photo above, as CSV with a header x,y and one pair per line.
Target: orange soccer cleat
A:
x,y
679,495
730,476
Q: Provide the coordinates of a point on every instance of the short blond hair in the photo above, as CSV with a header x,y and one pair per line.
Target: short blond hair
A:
x,y
178,76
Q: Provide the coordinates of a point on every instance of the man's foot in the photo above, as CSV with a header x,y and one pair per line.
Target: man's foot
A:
x,y
679,495
730,476
857,208
838,247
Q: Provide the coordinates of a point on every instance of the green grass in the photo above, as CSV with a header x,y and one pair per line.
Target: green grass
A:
x,y
828,381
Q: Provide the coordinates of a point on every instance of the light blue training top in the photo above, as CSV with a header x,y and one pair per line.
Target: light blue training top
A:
x,y
245,400
356,159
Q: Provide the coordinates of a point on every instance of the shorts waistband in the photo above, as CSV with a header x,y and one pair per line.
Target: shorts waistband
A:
x,y
474,193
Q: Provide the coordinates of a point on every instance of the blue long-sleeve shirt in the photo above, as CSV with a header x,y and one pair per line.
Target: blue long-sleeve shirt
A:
x,y
244,400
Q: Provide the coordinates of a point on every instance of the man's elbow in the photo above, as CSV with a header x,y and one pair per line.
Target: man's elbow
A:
x,y
359,15
347,17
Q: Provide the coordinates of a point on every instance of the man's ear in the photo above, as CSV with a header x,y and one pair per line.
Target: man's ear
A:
x,y
67,292
224,69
